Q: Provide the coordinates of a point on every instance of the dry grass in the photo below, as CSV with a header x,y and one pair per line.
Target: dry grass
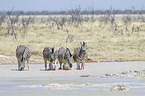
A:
x,y
102,44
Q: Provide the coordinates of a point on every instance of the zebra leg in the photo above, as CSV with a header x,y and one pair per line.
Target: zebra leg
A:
x,y
82,66
78,65
28,63
50,66
45,64
64,66
60,65
18,64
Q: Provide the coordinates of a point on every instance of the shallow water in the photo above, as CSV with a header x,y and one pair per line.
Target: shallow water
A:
x,y
37,82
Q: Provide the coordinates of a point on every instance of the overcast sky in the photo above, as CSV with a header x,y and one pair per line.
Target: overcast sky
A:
x,y
51,5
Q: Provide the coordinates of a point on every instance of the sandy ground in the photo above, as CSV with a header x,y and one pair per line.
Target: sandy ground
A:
x,y
91,81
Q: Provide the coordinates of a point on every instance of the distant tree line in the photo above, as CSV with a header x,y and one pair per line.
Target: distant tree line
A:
x,y
82,12
16,24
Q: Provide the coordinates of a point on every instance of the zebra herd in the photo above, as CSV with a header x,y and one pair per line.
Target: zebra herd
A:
x,y
63,56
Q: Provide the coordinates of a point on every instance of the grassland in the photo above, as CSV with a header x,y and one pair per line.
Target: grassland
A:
x,y
103,44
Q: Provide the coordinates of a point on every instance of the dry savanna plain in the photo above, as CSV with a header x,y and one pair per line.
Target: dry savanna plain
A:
x,y
106,41
115,49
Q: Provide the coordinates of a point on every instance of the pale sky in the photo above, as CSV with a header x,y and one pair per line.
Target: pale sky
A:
x,y
51,5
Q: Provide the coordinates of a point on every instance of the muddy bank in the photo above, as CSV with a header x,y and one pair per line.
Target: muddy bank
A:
x,y
38,59
6,60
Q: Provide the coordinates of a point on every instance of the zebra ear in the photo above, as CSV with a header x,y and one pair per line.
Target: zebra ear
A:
x,y
84,43
71,55
81,43
53,50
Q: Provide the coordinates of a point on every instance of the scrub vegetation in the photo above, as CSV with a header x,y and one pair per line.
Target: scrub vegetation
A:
x,y
110,37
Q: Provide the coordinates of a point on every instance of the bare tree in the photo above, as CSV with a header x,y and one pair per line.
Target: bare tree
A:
x,y
25,24
127,21
135,29
69,36
76,16
2,17
142,17
13,19
60,22
105,17
116,30
93,14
